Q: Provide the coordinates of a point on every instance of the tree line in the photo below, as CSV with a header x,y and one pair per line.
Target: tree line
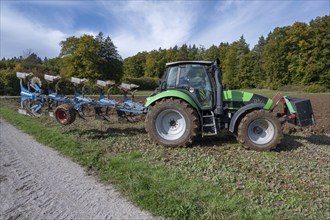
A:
x,y
291,56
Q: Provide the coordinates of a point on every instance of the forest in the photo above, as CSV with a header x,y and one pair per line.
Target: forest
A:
x,y
290,57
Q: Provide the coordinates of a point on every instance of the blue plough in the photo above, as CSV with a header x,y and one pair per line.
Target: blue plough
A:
x,y
33,100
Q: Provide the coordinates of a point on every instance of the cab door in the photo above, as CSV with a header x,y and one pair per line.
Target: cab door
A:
x,y
194,80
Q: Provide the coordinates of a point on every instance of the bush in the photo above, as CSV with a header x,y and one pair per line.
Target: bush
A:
x,y
9,83
63,86
145,83
316,88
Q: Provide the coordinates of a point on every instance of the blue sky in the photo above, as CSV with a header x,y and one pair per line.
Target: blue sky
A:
x,y
136,26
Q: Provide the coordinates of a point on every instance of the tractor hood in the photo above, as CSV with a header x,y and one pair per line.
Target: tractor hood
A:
x,y
235,99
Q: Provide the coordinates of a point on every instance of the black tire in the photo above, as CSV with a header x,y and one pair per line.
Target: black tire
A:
x,y
172,122
259,130
65,114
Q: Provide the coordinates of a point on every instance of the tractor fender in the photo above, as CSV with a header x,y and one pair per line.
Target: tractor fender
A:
x,y
168,94
241,111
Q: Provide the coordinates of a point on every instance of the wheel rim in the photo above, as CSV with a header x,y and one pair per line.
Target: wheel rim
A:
x,y
61,115
261,131
170,125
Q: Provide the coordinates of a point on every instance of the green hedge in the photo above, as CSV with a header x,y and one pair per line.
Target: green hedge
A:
x,y
145,83
316,88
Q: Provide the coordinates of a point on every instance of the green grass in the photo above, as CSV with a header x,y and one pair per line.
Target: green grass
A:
x,y
213,179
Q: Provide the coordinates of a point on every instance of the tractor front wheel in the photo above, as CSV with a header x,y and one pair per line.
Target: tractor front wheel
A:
x,y
65,114
259,130
172,122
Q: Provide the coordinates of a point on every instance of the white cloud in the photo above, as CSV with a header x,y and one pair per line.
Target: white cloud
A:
x,y
19,34
136,26
254,19
150,25
232,20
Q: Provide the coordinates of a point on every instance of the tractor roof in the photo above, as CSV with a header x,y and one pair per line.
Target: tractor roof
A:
x,y
208,63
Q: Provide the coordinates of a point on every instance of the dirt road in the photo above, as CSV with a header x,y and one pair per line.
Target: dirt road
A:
x,y
38,183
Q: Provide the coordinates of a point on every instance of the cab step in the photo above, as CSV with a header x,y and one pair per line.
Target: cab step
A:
x,y
208,124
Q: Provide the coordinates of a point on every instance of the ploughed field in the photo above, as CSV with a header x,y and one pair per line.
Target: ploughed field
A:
x,y
320,105
321,109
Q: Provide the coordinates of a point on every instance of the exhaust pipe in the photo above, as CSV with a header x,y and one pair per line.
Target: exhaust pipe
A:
x,y
219,93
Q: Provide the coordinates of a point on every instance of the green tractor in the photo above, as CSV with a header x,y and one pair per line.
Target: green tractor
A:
x,y
192,101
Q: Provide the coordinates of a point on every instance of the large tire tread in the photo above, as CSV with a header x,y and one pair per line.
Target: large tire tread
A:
x,y
243,138
169,104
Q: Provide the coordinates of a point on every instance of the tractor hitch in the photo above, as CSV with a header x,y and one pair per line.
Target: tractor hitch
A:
x,y
296,111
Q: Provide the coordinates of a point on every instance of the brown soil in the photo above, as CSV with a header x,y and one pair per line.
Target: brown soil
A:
x,y
321,109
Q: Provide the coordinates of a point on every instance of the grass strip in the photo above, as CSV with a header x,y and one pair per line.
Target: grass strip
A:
x,y
152,186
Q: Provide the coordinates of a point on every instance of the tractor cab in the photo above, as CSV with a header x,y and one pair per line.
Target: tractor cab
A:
x,y
192,78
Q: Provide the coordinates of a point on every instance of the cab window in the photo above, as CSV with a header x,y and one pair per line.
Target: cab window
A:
x,y
171,77
194,78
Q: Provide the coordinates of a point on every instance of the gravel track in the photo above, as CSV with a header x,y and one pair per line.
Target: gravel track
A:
x,y
38,183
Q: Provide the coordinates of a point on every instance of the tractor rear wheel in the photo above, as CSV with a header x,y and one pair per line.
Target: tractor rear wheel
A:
x,y
172,122
259,130
65,114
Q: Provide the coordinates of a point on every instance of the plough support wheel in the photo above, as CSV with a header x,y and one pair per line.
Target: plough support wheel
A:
x,y
65,114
